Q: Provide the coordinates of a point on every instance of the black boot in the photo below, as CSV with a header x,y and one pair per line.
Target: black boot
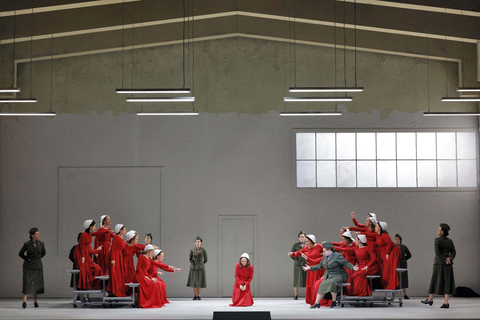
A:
x,y
295,298
316,305
406,297
195,298
426,301
334,303
36,305
445,306
24,305
198,298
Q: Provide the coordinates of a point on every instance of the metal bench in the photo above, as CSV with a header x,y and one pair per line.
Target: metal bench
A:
x,y
389,295
357,299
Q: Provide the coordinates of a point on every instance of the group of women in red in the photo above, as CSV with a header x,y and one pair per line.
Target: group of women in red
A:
x,y
114,257
371,252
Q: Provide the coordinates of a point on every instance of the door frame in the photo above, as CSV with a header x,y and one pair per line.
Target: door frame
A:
x,y
221,218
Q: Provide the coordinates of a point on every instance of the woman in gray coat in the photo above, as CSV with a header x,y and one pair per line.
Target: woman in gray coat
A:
x,y
335,274
197,278
32,253
299,276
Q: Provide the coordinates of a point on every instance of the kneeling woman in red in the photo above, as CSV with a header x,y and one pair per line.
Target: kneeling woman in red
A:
x,y
149,293
242,296
153,271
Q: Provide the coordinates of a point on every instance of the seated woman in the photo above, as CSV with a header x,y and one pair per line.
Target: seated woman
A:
x,y
116,283
149,293
242,296
83,259
131,248
347,243
388,255
334,264
153,271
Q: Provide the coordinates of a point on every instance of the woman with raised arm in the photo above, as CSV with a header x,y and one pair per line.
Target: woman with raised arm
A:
x,y
197,278
103,237
312,253
443,281
149,293
131,248
116,283
242,295
347,242
157,263
334,264
368,229
83,259
299,276
388,256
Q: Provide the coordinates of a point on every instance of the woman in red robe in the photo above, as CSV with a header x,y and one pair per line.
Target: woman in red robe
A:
x,y
389,255
156,263
347,242
83,259
242,295
131,248
368,229
149,293
312,253
116,283
103,238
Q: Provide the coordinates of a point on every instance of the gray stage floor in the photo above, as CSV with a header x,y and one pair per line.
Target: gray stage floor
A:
x,y
280,308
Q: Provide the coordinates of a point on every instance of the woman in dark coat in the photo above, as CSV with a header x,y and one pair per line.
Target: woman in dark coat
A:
x,y
71,256
402,263
299,276
32,253
443,282
197,278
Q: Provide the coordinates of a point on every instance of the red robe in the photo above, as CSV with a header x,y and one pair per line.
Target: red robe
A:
x,y
314,257
369,234
128,253
366,257
243,276
149,293
153,271
350,257
116,283
388,267
88,270
102,238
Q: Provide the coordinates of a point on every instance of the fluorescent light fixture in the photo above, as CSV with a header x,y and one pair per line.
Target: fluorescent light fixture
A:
x,y
17,100
460,99
450,114
25,114
309,114
170,99
293,99
9,90
325,89
167,113
468,89
153,90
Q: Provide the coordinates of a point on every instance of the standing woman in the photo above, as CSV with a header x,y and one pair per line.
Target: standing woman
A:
x,y
242,295
83,259
402,263
368,229
312,253
347,242
299,276
71,256
32,253
148,238
388,256
116,283
103,238
197,278
443,281
149,293
131,248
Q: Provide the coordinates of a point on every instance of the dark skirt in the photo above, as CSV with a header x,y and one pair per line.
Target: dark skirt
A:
x,y
404,276
197,279
443,281
33,281
299,277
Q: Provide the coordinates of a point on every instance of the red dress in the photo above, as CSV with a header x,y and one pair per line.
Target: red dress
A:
x,y
88,270
369,234
243,276
149,293
350,257
116,283
128,253
314,257
153,271
388,267
102,238
366,257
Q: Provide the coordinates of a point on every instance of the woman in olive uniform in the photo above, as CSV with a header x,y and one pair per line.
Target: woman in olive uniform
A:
x,y
443,282
299,276
335,274
197,278
32,253
402,263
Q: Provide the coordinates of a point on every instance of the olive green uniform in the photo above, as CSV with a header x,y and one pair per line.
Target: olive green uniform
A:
x,y
443,281
299,276
335,273
197,277
32,267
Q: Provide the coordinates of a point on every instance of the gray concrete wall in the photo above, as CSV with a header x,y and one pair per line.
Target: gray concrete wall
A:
x,y
216,164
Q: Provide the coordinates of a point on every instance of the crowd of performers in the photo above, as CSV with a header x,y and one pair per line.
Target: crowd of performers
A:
x,y
365,249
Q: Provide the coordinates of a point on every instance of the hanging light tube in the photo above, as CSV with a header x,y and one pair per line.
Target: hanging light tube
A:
x,y
25,114
169,99
309,114
168,113
317,99
153,90
18,100
325,89
460,99
9,90
468,89
451,114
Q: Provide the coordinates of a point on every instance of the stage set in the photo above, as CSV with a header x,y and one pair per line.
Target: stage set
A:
x,y
279,308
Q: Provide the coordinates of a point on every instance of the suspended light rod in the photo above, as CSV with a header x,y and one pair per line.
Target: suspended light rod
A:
x,y
468,89
9,90
325,89
167,113
176,99
325,99
309,114
24,114
17,100
451,114
460,99
153,90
